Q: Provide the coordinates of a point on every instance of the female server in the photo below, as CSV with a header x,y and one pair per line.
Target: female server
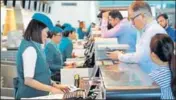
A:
x,y
82,31
33,73
66,45
53,54
66,25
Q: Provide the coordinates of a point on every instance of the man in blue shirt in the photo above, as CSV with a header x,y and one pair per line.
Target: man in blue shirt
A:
x,y
122,29
163,21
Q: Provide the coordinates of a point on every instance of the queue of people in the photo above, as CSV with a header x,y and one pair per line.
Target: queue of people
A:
x,y
154,49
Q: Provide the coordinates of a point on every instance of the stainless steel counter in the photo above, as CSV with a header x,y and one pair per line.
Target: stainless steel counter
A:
x,y
125,76
125,81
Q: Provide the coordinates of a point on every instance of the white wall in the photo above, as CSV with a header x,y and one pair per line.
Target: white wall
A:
x,y
85,11
27,14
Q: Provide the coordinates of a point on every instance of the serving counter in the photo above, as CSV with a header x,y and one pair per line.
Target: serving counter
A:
x,y
127,81
124,81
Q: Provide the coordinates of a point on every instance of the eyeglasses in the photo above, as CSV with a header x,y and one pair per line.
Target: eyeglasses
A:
x,y
133,18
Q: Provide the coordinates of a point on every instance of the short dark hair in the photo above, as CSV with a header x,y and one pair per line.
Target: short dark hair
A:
x,y
34,31
66,33
100,14
58,25
51,34
109,26
163,15
63,27
115,14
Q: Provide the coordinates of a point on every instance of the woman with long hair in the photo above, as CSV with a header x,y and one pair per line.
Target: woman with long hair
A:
x,y
162,53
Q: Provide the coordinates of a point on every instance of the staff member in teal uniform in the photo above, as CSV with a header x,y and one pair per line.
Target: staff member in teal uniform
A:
x,y
53,54
66,25
82,31
32,70
66,45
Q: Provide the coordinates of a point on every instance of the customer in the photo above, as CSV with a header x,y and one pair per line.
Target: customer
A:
x,y
122,29
164,22
33,73
100,16
162,48
140,15
91,26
